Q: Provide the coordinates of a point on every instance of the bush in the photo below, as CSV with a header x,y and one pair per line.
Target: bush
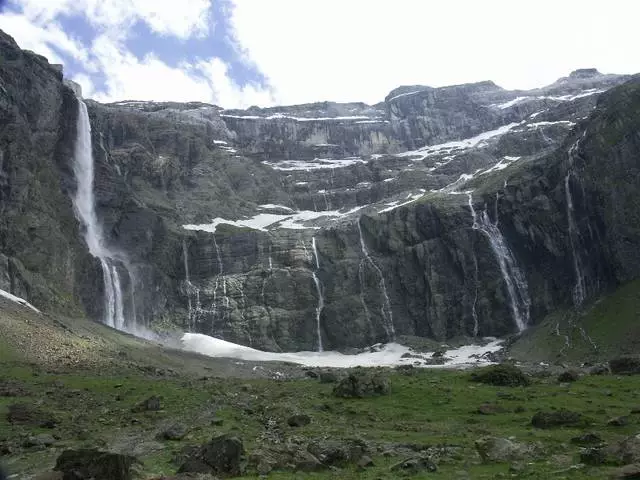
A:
x,y
503,375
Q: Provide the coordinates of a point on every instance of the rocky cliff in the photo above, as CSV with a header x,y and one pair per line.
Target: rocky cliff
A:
x,y
466,210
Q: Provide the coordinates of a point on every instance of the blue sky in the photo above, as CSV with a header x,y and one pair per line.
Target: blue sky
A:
x,y
238,53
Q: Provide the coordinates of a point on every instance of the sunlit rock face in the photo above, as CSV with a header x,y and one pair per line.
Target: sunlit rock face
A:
x,y
217,211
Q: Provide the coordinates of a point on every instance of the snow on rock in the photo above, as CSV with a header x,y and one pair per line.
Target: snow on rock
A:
x,y
567,123
404,95
411,198
18,300
378,356
266,221
501,165
278,116
459,145
315,164
271,206
510,103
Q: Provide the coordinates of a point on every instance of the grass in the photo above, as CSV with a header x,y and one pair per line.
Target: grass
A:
x,y
607,328
431,407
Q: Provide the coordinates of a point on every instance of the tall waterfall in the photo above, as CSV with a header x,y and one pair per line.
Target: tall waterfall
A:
x,y
84,206
320,306
579,289
514,279
387,314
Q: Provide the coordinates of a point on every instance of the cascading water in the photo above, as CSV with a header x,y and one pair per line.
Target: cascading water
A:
x,y
84,206
514,279
320,306
579,289
387,314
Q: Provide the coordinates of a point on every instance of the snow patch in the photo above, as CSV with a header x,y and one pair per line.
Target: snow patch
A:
x,y
263,221
271,206
386,355
412,197
280,116
18,300
510,103
404,95
315,164
459,145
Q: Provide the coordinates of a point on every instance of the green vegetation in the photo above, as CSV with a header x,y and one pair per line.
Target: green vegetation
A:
x,y
426,408
605,329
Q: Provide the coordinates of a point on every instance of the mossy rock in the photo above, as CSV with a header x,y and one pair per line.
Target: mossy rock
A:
x,y
503,375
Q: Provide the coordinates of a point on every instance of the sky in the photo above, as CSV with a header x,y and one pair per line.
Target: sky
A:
x,y
239,53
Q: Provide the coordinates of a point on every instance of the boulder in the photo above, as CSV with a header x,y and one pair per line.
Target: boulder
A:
x,y
627,365
173,432
414,466
557,418
496,449
299,420
24,414
619,421
339,453
503,375
90,464
222,456
628,471
151,404
568,376
361,383
587,439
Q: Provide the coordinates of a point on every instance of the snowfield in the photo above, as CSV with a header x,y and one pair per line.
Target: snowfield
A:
x,y
382,355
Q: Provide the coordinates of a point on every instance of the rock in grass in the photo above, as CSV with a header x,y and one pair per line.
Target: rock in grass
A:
x,y
627,365
173,432
361,383
222,456
24,414
496,449
414,466
628,471
587,439
151,404
328,376
619,421
41,440
299,420
568,376
89,464
490,409
557,418
339,452
503,375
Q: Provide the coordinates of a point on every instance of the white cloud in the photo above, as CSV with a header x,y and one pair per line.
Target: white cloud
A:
x,y
128,77
181,19
354,50
45,39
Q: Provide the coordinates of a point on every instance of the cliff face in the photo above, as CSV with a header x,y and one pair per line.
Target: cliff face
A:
x,y
42,256
463,210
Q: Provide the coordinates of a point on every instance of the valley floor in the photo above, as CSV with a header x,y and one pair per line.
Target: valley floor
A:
x,y
82,384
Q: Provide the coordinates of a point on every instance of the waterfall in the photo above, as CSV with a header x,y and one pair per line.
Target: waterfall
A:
x,y
84,206
320,306
387,314
579,289
516,283
185,259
